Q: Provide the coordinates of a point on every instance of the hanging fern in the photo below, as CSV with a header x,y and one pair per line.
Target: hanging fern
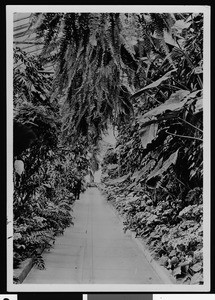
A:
x,y
89,65
92,53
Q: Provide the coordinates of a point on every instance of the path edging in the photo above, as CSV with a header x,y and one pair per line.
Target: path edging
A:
x,y
25,267
20,273
160,270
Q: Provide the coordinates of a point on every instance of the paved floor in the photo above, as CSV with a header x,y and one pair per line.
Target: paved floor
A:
x,y
94,250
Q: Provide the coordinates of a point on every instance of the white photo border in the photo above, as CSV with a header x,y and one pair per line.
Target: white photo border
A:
x,y
10,10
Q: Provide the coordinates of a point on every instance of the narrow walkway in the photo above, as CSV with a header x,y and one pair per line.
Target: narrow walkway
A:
x,y
94,250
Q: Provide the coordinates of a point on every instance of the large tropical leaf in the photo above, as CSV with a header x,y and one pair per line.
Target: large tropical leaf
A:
x,y
148,134
153,84
119,179
163,166
139,174
199,105
175,102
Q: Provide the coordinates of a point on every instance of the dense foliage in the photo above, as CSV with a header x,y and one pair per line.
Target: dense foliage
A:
x,y
156,166
43,192
143,74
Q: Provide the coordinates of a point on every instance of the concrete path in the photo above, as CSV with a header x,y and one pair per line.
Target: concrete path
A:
x,y
94,250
